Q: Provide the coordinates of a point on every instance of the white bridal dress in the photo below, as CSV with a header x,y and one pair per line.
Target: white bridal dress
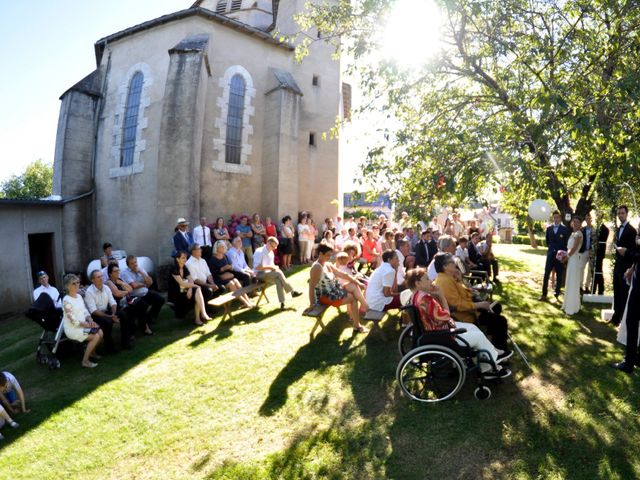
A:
x,y
571,302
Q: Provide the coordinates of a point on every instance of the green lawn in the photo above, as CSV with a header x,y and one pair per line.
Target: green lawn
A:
x,y
253,398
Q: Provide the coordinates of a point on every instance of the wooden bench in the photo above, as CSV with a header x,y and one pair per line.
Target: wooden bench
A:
x,y
316,312
226,299
376,317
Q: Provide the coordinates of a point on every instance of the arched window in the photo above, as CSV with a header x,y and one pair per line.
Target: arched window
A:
x,y
235,115
130,120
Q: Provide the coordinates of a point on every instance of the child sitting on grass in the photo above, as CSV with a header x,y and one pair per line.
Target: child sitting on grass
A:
x,y
11,397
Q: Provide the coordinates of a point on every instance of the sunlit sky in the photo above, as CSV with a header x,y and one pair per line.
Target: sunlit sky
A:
x,y
47,46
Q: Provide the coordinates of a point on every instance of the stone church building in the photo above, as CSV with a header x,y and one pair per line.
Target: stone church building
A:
x,y
199,112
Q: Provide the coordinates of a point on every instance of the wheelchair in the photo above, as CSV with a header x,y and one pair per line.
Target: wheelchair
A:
x,y
435,364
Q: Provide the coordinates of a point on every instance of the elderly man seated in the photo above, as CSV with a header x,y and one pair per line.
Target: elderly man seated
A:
x,y
200,272
239,267
140,281
462,305
103,309
45,287
269,272
446,244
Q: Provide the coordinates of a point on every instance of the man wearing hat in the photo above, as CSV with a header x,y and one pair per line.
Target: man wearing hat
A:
x,y
43,280
182,239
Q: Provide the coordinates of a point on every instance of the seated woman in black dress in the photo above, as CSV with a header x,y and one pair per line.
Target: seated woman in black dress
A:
x,y
184,293
222,271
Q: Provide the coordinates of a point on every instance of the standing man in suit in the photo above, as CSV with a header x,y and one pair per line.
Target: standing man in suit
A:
x,y
588,235
625,238
631,357
425,249
603,236
557,236
182,239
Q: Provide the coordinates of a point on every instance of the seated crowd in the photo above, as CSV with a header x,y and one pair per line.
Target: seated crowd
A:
x,y
216,258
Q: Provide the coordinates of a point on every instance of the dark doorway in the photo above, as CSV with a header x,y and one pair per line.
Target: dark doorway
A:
x,y
41,255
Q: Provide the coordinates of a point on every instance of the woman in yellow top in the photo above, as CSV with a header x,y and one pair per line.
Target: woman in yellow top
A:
x,y
461,303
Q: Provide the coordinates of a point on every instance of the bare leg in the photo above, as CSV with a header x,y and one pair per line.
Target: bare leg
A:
x,y
5,415
94,341
243,298
356,314
200,309
354,290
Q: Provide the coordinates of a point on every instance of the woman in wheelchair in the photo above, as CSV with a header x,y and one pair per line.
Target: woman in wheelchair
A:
x,y
434,314
462,305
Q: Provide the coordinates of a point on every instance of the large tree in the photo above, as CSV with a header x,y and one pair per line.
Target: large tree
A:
x,y
537,97
35,182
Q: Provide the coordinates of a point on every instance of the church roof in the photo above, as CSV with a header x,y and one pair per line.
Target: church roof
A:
x,y
101,44
88,85
285,80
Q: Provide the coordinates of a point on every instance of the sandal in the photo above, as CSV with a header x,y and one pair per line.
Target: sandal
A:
x,y
360,329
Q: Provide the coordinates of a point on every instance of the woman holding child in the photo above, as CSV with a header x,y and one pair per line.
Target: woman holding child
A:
x,y
325,289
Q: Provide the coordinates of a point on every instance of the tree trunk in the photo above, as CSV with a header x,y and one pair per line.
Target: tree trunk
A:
x,y
532,235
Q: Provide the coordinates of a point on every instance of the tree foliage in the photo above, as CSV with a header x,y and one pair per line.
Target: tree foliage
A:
x,y
35,182
539,98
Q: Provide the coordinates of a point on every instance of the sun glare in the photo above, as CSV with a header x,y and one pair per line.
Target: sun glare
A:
x,y
412,33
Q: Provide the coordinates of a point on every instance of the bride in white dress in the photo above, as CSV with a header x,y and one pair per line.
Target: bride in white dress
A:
x,y
572,301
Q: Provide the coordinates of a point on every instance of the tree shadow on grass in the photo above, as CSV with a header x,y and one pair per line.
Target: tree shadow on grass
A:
x,y
51,391
224,329
324,351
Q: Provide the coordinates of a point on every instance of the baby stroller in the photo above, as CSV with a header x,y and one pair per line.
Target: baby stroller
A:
x,y
49,318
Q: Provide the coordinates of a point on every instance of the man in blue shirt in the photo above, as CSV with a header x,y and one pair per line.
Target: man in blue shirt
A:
x,y
244,231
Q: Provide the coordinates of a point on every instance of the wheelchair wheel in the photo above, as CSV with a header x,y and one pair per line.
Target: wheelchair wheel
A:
x,y
482,392
431,373
405,342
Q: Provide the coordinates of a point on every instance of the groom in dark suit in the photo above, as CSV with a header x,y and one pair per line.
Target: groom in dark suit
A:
x,y
626,238
557,236
598,282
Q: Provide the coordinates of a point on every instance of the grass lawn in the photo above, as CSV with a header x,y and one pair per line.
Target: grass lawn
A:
x,y
252,398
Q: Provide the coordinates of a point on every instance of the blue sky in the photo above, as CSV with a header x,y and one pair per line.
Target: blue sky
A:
x,y
46,46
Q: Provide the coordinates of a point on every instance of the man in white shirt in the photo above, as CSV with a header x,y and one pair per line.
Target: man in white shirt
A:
x,y
382,290
403,251
269,272
239,266
340,238
337,225
350,223
43,280
202,236
140,282
200,272
103,309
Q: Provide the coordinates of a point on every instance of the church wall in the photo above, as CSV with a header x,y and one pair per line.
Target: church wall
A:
x,y
72,174
225,193
127,201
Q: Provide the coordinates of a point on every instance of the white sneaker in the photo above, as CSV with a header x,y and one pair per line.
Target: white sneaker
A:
x,y
1,437
14,424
